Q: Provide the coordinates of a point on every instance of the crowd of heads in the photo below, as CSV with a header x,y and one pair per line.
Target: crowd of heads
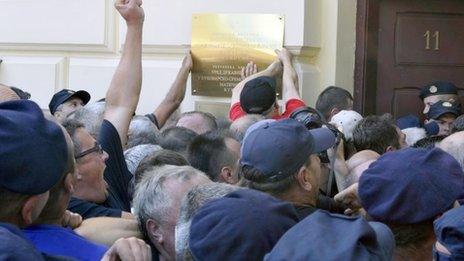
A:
x,y
272,183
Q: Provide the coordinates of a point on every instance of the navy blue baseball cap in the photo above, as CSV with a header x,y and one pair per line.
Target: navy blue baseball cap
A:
x,y
438,88
326,236
65,95
278,149
442,107
258,95
411,121
411,185
449,230
243,225
33,150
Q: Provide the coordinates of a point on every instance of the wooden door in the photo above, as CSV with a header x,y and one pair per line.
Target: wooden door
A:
x,y
406,44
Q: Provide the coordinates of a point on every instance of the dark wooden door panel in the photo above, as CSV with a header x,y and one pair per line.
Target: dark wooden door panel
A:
x,y
409,43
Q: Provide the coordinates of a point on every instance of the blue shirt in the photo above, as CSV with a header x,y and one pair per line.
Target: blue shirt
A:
x,y
15,246
56,240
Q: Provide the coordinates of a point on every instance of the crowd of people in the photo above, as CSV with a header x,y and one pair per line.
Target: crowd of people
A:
x,y
94,181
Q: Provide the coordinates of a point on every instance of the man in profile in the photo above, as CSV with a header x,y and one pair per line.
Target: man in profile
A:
x,y
66,102
438,91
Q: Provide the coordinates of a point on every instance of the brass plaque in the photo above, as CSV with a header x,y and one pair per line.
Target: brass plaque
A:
x,y
224,43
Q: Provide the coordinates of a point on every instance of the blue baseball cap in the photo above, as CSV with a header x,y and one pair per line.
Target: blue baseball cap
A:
x,y
64,95
33,150
326,236
411,185
438,88
258,95
442,107
411,121
449,230
278,149
243,225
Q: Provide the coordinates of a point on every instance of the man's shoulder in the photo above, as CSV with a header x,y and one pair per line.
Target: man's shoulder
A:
x,y
15,246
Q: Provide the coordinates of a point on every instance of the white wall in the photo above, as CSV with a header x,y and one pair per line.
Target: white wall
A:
x,y
55,44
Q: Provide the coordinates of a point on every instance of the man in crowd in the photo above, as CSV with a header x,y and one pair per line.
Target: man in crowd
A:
x,y
239,127
66,102
281,158
438,91
39,166
443,113
197,121
216,155
105,157
378,133
256,94
190,205
243,225
333,100
407,190
157,202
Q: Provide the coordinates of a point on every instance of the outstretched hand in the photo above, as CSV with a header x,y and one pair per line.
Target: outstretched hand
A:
x,y
249,69
284,56
128,249
187,63
131,11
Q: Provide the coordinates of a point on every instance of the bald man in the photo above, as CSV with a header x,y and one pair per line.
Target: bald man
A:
x,y
7,94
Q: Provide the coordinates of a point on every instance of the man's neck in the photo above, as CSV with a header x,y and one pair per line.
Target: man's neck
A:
x,y
415,254
297,197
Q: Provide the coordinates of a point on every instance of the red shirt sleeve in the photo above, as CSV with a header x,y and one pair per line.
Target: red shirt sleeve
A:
x,y
291,106
236,111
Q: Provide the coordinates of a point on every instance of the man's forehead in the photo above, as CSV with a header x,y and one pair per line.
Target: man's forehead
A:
x,y
73,99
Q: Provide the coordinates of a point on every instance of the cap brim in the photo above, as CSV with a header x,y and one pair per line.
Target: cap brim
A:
x,y
323,139
83,95
385,237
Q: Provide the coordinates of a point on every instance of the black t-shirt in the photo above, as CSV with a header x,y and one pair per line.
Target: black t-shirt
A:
x,y
116,174
89,210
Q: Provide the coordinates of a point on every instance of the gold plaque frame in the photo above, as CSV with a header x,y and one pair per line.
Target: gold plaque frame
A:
x,y
223,43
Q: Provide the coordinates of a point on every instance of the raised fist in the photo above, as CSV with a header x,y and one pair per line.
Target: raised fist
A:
x,y
131,11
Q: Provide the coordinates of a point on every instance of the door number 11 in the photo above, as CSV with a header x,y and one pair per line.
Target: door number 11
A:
x,y
436,36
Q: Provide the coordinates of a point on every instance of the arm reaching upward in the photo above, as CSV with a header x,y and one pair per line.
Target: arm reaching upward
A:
x,y
176,94
289,77
124,91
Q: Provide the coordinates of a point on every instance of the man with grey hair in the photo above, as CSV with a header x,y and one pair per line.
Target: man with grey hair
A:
x,y
157,201
239,127
136,154
91,115
454,145
194,199
141,131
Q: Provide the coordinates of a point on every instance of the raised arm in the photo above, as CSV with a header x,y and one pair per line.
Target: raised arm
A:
x,y
176,94
123,94
106,230
272,70
289,77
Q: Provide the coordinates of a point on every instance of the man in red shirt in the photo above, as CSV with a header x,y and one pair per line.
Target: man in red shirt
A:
x,y
256,94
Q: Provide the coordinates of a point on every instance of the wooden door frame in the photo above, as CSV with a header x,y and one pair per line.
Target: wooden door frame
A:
x,y
365,71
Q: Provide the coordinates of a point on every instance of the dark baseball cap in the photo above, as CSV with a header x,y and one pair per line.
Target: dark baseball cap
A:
x,y
258,95
33,150
411,185
438,88
326,236
443,107
278,149
243,225
65,95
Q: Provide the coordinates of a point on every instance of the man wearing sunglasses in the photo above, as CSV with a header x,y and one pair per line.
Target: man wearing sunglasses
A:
x,y
102,175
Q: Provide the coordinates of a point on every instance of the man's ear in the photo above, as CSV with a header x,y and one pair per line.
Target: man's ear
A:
x,y
32,207
227,176
154,232
389,148
69,183
333,112
303,179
